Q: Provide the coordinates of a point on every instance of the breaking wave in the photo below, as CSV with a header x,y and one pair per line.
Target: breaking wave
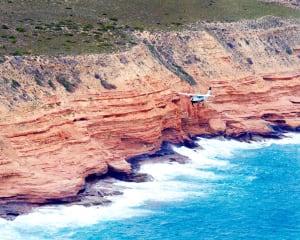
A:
x,y
208,165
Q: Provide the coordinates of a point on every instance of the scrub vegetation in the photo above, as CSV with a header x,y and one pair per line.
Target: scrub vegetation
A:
x,y
94,26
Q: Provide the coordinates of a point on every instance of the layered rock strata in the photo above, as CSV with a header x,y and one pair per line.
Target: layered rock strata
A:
x,y
65,118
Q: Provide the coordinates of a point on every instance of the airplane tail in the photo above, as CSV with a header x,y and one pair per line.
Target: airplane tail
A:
x,y
209,91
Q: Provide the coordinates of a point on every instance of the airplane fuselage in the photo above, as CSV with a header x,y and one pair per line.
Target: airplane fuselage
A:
x,y
197,99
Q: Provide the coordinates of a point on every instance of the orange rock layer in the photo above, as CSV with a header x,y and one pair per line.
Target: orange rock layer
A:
x,y
52,142
282,76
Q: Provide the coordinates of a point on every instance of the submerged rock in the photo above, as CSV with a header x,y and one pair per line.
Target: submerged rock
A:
x,y
134,177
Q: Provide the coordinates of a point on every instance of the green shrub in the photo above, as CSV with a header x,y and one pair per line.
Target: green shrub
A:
x,y
20,29
177,24
12,39
107,27
88,27
18,52
139,28
113,19
39,27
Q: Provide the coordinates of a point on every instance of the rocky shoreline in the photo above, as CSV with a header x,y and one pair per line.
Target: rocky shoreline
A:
x,y
98,187
69,117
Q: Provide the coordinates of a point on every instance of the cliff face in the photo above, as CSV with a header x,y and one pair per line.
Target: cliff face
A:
x,y
65,118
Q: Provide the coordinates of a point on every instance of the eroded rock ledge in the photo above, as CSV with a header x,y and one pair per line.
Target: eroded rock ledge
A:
x,y
65,118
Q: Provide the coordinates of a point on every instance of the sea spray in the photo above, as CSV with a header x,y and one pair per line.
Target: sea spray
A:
x,y
210,172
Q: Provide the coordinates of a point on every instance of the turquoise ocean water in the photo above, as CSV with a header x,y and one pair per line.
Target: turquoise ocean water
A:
x,y
229,190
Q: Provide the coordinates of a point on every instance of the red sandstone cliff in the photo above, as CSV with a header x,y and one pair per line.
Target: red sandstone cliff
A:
x,y
65,118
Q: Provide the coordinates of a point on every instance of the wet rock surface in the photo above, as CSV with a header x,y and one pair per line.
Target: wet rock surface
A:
x,y
98,189
12,210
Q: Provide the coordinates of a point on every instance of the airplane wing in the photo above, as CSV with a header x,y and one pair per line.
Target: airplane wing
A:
x,y
186,94
195,95
204,96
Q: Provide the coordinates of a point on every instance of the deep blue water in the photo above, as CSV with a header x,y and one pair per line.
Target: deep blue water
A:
x,y
230,190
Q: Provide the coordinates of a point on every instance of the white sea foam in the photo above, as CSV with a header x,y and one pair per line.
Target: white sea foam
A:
x,y
164,188
218,148
171,183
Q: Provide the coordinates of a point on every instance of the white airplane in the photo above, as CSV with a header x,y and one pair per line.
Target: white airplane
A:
x,y
198,98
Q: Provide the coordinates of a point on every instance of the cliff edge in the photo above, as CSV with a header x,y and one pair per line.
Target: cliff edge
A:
x,y
65,118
